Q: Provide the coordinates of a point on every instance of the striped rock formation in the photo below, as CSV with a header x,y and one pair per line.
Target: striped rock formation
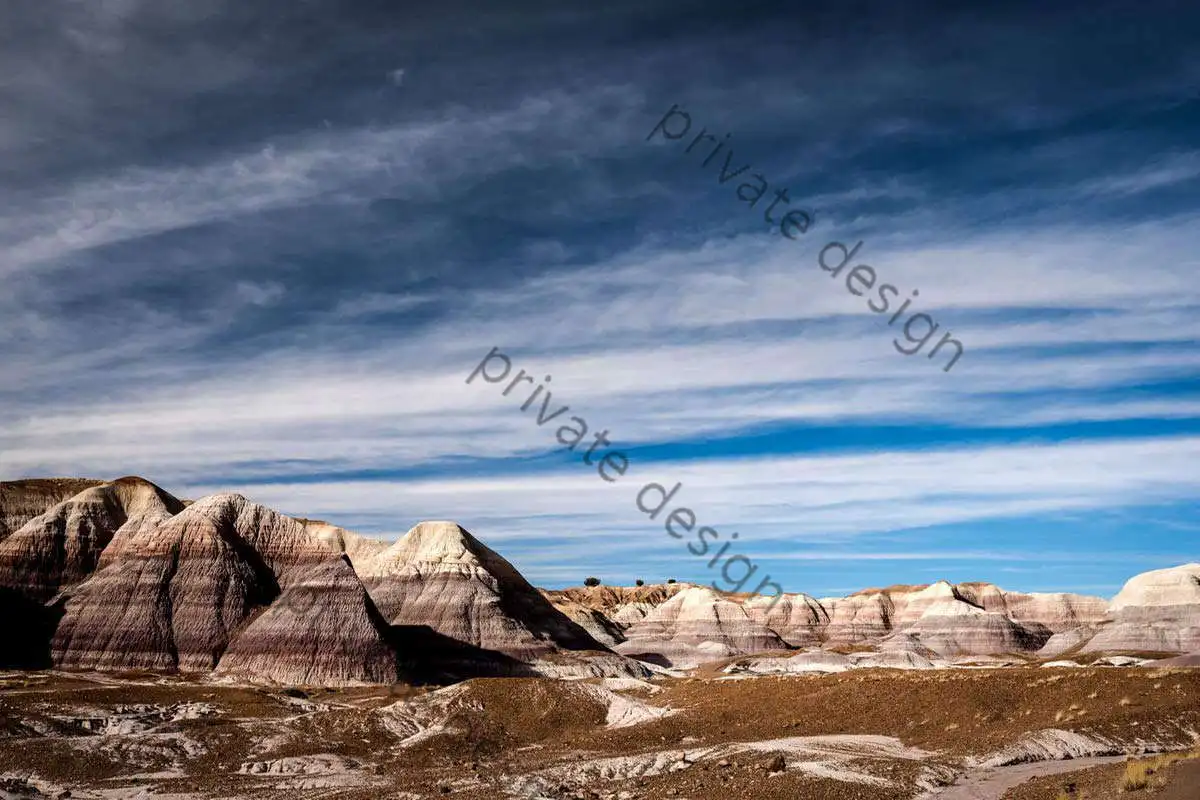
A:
x,y
606,612
60,547
799,620
322,630
184,592
21,501
694,626
942,619
949,625
1157,611
858,618
63,545
439,575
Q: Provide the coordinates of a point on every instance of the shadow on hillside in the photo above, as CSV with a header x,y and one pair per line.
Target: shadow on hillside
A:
x,y
29,629
428,657
657,659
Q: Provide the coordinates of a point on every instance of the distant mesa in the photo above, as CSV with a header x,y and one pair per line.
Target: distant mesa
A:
x,y
694,626
902,626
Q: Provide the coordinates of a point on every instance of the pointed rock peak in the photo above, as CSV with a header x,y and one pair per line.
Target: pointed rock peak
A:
x,y
439,537
442,544
221,501
22,500
134,497
697,595
323,630
137,493
66,543
439,575
942,589
236,513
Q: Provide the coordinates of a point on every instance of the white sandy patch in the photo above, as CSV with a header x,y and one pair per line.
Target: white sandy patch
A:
x,y
319,764
623,712
32,787
317,771
124,720
414,720
630,685
839,757
145,751
1053,744
832,756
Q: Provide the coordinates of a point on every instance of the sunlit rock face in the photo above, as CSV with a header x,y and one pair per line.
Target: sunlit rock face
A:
x,y
695,626
21,501
1157,611
439,575
63,545
224,577
799,620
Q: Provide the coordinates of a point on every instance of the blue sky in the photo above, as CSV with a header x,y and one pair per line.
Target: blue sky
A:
x,y
261,246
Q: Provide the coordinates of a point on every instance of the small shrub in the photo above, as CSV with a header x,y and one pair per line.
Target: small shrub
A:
x,y
591,581
640,582
1137,776
670,580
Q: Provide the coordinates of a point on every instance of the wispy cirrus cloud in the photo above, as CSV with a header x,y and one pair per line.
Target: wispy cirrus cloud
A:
x,y
238,251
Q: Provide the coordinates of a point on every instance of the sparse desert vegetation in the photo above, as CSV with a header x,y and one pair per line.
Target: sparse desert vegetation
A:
x,y
861,735
1163,776
1141,773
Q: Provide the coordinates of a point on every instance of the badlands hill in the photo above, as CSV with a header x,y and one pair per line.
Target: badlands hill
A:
x,y
1158,610
694,626
122,575
1156,614
21,501
439,575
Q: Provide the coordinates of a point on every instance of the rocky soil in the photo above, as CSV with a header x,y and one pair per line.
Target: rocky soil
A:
x,y
872,734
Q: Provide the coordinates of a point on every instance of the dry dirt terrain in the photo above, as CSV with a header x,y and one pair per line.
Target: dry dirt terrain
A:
x,y
870,734
1172,777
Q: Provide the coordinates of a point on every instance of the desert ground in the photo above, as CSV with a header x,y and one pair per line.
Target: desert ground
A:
x,y
869,734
